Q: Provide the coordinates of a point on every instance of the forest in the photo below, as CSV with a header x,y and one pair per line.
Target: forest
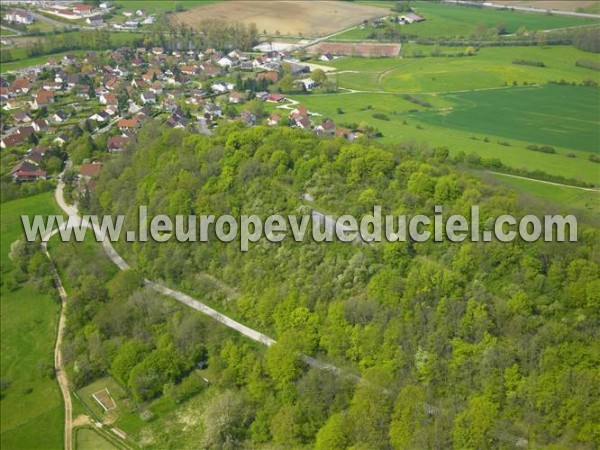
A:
x,y
439,344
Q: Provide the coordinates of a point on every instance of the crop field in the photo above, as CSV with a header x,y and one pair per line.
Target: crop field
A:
x,y
444,20
28,324
288,18
562,116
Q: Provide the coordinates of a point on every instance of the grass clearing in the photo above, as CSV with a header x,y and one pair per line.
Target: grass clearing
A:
x,y
28,331
555,199
161,6
89,439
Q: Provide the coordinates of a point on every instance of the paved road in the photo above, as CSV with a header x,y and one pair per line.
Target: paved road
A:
x,y
250,333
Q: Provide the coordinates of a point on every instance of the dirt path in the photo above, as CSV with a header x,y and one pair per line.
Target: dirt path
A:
x,y
61,376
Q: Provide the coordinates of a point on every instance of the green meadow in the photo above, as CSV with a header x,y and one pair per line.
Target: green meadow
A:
x,y
422,126
554,199
161,6
32,408
562,116
489,67
444,20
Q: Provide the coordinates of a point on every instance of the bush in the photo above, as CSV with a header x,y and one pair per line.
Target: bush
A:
x,y
524,62
594,158
380,116
542,149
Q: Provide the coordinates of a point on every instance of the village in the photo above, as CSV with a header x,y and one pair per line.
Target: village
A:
x,y
109,96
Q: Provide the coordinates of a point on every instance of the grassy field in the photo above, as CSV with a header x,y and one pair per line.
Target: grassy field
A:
x,y
404,126
562,116
443,20
287,18
37,60
555,199
490,67
32,409
89,439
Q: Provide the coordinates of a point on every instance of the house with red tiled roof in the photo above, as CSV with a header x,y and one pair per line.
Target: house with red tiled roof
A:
x,y
43,98
27,171
90,170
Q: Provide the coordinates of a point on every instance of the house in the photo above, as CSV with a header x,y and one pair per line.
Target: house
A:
x,y
308,83
101,116
140,13
117,143
303,123
299,111
275,98
148,97
210,70
326,57
346,133
11,103
190,70
411,18
35,155
158,50
40,125
226,61
61,140
248,118
104,5
327,127
213,110
128,13
27,171
42,99
21,117
19,86
138,83
236,97
108,99
148,20
273,120
19,16
90,170
83,9
221,87
59,117
12,140
128,124
270,75
94,21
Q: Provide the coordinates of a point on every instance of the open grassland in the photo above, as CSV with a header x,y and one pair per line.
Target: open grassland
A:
x,y
36,60
562,116
555,199
403,126
447,20
489,67
289,18
32,411
89,439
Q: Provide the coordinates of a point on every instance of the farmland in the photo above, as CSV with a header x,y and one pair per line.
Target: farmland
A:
x,y
451,21
288,18
29,322
562,116
161,6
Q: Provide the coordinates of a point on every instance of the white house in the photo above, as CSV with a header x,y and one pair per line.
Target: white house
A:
x,y
308,83
19,16
148,97
221,86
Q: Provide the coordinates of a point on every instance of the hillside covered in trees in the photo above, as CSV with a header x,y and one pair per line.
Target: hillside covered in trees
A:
x,y
463,345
